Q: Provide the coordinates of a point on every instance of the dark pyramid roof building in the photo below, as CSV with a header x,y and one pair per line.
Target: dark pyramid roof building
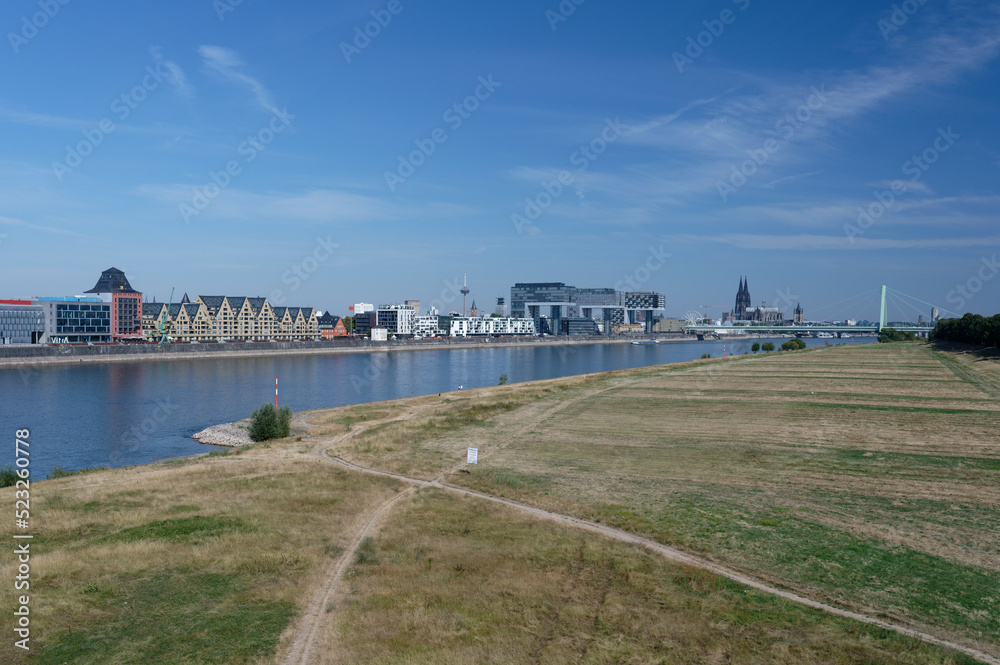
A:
x,y
185,300
112,280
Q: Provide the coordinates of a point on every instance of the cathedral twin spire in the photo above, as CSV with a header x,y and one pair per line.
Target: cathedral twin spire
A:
x,y
742,300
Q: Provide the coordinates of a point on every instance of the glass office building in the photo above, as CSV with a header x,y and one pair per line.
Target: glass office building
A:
x,y
553,305
21,322
76,320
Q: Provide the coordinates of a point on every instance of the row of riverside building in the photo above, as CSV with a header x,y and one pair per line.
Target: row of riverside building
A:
x,y
114,312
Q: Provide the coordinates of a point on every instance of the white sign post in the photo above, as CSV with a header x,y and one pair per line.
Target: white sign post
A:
x,y
473,457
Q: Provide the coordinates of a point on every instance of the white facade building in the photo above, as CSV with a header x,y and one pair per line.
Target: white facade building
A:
x,y
463,326
397,319
427,326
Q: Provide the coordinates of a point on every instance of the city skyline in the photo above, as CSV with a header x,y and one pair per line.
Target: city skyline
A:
x,y
236,148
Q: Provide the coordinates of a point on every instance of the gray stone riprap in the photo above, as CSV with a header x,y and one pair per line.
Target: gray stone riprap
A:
x,y
227,434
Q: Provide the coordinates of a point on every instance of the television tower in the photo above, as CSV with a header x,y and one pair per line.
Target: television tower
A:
x,y
465,293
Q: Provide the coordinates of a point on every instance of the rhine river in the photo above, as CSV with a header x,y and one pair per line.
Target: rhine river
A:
x,y
125,413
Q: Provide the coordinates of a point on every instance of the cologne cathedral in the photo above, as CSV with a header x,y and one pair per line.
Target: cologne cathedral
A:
x,y
745,311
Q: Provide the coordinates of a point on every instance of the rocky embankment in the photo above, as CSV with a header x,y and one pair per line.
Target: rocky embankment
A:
x,y
227,434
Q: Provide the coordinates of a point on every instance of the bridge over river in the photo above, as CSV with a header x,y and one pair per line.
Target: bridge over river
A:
x,y
809,330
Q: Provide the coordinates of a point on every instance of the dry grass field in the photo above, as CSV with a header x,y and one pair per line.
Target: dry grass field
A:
x,y
862,476
457,580
865,476
194,561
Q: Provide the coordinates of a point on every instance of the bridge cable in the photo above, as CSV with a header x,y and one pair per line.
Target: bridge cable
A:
x,y
860,295
923,302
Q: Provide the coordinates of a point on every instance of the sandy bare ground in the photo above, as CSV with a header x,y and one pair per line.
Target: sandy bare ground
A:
x,y
313,634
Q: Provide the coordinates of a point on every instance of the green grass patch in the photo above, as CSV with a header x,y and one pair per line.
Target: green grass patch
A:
x,y
504,477
170,618
889,407
845,566
191,529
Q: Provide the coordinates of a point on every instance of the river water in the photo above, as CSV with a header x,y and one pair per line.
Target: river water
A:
x,y
125,413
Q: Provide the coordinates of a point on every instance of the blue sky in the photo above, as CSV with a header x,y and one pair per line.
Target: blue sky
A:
x,y
673,145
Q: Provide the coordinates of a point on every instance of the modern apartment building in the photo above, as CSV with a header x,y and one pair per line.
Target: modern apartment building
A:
x,y
397,319
229,318
490,326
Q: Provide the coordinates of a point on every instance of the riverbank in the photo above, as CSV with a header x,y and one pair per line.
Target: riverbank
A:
x,y
277,553
38,355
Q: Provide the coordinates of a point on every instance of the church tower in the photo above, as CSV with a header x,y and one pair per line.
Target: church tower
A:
x,y
743,306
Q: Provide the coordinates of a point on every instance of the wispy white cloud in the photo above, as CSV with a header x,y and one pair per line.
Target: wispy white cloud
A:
x,y
790,178
315,206
43,120
825,242
175,75
716,131
9,221
227,64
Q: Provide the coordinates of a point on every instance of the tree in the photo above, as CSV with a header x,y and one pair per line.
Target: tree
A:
x,y
767,346
503,380
793,345
349,324
270,423
970,329
755,347
893,335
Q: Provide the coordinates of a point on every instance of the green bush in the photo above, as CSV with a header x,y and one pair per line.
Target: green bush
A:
x,y
893,335
8,475
706,356
793,345
270,423
767,346
503,380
